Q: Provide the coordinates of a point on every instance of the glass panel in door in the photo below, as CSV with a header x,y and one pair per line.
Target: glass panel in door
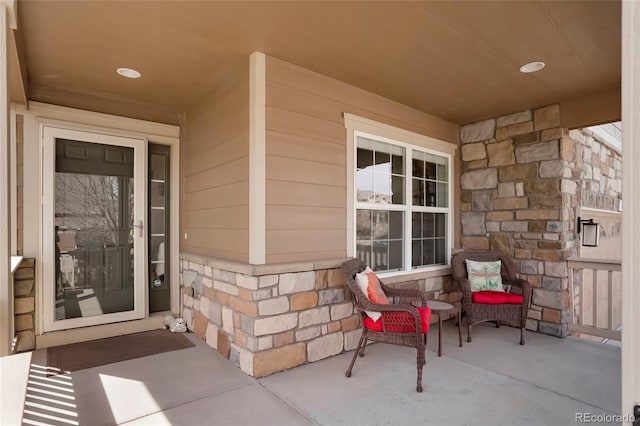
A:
x,y
159,273
94,229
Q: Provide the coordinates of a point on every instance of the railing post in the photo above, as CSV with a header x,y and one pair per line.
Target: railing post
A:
x,y
581,297
572,296
610,299
594,297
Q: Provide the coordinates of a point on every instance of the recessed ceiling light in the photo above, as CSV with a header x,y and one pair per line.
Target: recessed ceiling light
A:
x,y
129,73
532,67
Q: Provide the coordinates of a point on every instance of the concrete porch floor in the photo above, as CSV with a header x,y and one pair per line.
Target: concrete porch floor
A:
x,y
491,381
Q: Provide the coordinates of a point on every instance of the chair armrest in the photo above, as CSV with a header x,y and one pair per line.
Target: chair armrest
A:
x,y
367,305
405,295
382,308
465,287
525,288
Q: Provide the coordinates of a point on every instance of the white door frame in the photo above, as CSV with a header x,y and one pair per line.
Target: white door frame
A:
x,y
6,289
35,116
49,135
630,217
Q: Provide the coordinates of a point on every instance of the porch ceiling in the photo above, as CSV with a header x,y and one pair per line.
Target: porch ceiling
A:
x,y
455,60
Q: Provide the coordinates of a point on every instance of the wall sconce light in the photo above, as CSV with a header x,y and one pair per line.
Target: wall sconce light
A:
x,y
590,232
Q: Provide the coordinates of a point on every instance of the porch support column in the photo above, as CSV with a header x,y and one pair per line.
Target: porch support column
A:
x,y
631,207
257,158
6,285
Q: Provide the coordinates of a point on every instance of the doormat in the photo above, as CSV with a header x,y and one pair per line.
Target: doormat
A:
x,y
78,356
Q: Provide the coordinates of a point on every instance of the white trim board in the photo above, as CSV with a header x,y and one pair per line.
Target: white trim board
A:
x,y
365,125
6,281
630,217
257,158
13,189
96,122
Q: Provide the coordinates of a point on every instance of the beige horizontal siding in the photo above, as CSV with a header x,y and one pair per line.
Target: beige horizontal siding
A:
x,y
231,244
311,242
305,163
312,104
306,157
220,175
357,101
226,110
304,171
235,217
231,195
305,194
303,218
294,146
296,123
214,207
225,152
227,124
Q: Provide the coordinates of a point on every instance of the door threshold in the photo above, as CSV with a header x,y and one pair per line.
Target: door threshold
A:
x,y
64,337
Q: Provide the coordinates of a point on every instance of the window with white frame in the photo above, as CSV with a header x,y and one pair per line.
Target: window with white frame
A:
x,y
402,210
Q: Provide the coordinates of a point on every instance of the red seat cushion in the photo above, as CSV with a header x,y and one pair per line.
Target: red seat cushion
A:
x,y
496,298
399,322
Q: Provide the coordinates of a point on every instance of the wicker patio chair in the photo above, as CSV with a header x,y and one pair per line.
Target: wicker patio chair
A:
x,y
511,313
401,322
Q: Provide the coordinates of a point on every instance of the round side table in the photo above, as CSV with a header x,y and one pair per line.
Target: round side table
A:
x,y
444,308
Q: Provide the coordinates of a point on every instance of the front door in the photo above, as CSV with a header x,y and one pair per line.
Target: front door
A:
x,y
93,228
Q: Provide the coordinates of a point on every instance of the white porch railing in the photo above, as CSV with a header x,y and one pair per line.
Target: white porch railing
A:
x,y
595,297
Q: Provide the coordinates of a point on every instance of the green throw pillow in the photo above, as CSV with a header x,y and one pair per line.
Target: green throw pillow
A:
x,y
484,275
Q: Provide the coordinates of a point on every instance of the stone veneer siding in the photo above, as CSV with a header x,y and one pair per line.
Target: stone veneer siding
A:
x,y
601,171
519,194
24,305
270,318
264,321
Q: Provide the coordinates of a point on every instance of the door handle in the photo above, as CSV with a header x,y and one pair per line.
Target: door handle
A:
x,y
140,227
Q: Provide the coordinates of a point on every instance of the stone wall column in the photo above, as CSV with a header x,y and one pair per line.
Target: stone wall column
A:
x,y
519,195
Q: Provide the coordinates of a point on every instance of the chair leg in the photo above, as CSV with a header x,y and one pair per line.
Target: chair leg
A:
x,y
459,329
439,335
468,331
497,324
420,363
425,349
355,355
522,335
364,345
